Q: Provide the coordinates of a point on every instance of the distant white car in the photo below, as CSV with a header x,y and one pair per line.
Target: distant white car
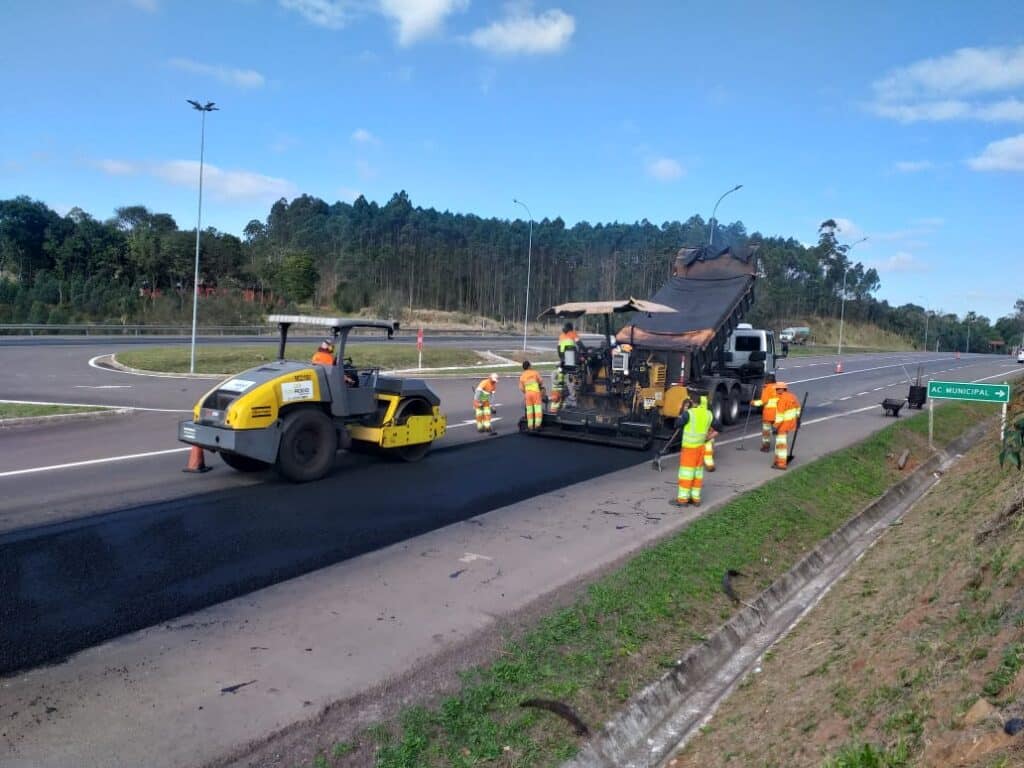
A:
x,y
1020,356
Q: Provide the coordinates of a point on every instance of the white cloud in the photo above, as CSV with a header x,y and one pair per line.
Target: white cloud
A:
x,y
519,32
664,169
1003,155
331,14
116,167
240,78
912,166
363,136
150,6
848,229
418,19
225,185
901,261
938,89
963,72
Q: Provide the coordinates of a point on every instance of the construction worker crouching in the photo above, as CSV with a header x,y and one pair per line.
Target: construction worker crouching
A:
x,y
787,411
324,354
557,390
767,401
531,385
697,425
482,403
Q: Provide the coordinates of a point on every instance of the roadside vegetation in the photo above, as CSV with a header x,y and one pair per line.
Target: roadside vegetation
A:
x,y
631,625
915,657
227,359
21,411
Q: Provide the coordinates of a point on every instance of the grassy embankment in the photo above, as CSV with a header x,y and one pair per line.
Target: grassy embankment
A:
x,y
629,626
21,411
914,659
857,337
227,359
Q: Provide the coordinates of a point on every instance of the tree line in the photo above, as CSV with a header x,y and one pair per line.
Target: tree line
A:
x,y
137,266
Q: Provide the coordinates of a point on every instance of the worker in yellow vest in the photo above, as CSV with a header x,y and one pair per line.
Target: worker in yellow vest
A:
x,y
557,390
482,403
568,339
787,411
532,387
698,427
766,401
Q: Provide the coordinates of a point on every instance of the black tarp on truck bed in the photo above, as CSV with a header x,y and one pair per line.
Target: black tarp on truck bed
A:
x,y
707,290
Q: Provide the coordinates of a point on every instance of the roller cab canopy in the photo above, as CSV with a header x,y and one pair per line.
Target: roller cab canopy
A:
x,y
579,308
338,324
709,291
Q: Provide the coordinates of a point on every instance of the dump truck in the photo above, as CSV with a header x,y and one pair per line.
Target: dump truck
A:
x,y
687,340
800,334
295,416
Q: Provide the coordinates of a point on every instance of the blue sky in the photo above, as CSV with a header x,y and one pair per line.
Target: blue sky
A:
x,y
903,121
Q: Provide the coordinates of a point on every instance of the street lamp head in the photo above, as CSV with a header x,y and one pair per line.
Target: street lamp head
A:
x,y
207,107
738,186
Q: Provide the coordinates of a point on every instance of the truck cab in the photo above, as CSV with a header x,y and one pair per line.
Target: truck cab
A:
x,y
747,340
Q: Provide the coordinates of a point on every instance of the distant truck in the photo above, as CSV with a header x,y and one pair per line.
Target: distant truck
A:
x,y
798,335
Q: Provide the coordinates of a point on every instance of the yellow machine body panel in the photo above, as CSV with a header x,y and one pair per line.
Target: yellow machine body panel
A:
x,y
417,429
260,404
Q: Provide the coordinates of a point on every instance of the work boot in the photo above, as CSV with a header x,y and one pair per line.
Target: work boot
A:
x,y
777,466
679,502
765,449
492,432
709,469
694,503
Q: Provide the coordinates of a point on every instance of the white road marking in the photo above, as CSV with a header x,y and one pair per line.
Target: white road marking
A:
x,y
91,462
469,557
103,386
100,405
471,422
196,376
841,399
860,394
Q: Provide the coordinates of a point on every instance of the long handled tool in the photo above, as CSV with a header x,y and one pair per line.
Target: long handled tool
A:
x,y
746,423
799,419
656,462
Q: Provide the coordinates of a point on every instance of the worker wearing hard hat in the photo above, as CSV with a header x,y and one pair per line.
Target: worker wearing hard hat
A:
x,y
324,354
766,401
787,412
482,403
568,340
532,386
697,425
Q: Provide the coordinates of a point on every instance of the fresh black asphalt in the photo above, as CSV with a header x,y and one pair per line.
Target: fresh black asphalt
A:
x,y
72,585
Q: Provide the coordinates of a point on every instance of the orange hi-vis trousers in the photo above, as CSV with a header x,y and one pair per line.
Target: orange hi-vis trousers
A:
x,y
534,408
781,449
691,474
766,434
483,415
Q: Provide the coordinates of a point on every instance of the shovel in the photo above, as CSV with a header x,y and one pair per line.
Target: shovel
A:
x,y
656,462
792,446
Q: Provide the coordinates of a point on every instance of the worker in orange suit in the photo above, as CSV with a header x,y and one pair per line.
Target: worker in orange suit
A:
x,y
697,426
766,401
532,387
787,411
324,354
482,396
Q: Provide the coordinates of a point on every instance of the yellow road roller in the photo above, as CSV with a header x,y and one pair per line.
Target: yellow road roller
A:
x,y
296,416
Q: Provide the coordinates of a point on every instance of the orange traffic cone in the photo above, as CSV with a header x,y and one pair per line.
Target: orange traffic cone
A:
x,y
839,367
196,461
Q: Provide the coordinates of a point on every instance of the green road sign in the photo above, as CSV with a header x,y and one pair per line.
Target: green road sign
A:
x,y
962,390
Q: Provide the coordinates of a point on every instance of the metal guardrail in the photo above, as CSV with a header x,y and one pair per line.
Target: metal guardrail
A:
x,y
266,329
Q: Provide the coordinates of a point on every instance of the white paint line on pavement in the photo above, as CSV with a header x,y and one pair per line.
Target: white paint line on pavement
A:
x,y
841,399
102,386
860,394
194,376
100,405
471,422
90,462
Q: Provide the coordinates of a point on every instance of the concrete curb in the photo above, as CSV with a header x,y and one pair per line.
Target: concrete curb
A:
x,y
61,418
110,361
664,714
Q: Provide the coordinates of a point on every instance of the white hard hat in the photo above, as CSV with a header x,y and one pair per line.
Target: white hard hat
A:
x,y
494,378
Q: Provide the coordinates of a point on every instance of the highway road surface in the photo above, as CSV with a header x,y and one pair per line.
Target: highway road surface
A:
x,y
101,535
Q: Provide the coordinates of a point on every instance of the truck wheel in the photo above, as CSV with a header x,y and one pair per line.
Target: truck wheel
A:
x,y
412,407
241,463
308,446
732,407
718,405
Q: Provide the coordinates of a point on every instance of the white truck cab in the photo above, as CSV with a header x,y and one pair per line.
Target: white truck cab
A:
x,y
745,340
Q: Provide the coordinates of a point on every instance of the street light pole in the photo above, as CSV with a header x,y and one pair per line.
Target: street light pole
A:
x,y
529,259
203,108
711,221
968,335
842,309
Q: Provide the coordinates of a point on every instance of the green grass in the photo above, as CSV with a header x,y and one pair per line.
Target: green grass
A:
x,y
19,411
614,640
870,756
1004,674
228,359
